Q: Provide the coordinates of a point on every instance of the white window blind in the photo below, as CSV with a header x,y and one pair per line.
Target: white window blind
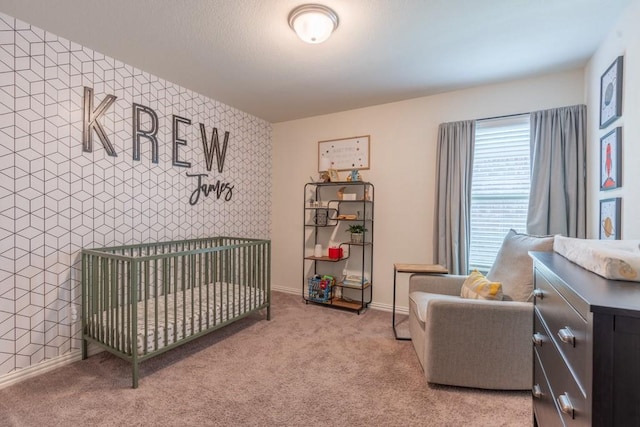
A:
x,y
500,186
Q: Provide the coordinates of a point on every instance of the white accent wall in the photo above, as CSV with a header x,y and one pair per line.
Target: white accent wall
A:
x,y
624,39
56,199
403,161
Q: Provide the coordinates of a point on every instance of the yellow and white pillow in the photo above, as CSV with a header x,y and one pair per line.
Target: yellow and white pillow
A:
x,y
476,286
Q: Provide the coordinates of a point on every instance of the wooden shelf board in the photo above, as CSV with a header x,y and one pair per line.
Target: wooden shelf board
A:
x,y
420,268
353,305
325,258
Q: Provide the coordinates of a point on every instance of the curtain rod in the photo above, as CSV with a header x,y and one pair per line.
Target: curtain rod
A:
x,y
503,117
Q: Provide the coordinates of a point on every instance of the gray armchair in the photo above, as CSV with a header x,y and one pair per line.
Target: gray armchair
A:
x,y
472,342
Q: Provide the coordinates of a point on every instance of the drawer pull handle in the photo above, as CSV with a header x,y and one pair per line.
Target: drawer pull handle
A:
x,y
537,339
537,293
565,404
566,336
537,391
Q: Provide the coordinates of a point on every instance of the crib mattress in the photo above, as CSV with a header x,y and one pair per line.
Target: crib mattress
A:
x,y
183,314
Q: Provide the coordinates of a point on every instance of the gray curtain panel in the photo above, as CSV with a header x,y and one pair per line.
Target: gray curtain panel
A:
x,y
557,202
453,195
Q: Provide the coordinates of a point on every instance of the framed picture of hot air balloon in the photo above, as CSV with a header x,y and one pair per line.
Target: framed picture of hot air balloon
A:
x,y
610,219
611,93
611,160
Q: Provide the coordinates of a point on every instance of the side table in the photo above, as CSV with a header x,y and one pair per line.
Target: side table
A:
x,y
411,268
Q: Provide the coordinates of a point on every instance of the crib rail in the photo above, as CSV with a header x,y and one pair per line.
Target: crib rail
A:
x,y
141,300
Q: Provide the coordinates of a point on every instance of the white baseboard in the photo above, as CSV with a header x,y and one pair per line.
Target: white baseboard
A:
x,y
46,366
374,305
285,290
39,369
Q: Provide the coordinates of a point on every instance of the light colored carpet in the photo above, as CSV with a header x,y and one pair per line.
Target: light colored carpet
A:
x,y
308,366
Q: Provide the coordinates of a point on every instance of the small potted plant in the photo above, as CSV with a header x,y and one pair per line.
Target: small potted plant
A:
x,y
356,230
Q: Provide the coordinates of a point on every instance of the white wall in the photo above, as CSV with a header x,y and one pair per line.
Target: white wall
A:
x,y
403,150
624,39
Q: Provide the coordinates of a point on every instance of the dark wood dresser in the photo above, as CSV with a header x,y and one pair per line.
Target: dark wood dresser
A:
x,y
586,342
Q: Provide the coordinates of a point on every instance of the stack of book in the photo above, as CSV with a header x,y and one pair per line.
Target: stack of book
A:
x,y
355,281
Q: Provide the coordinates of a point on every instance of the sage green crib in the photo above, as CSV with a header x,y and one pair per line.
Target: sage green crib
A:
x,y
142,300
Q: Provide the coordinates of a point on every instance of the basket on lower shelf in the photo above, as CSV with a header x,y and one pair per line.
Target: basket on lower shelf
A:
x,y
320,289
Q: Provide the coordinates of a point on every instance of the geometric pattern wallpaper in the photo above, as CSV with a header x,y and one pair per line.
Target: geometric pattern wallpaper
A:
x,y
56,199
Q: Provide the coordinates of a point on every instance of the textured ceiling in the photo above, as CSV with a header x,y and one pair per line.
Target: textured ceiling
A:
x,y
243,53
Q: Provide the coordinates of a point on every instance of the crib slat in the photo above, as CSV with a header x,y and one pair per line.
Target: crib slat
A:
x,y
134,321
166,275
156,300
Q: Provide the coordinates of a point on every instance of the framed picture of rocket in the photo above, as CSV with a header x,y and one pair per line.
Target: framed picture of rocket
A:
x,y
610,219
611,160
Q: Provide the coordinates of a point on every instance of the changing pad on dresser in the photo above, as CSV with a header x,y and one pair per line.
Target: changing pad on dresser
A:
x,y
611,259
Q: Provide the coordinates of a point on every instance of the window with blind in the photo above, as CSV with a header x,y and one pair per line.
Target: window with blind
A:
x,y
500,186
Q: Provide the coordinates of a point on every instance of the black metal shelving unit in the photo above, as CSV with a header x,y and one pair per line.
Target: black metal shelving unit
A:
x,y
328,211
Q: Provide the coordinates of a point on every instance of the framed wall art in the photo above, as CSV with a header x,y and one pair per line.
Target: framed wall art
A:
x,y
611,93
344,154
610,218
611,160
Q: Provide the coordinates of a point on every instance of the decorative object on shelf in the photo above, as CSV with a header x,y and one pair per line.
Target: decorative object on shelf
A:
x,y
357,231
320,218
354,176
345,196
333,175
610,218
611,160
335,252
324,177
345,154
317,251
611,93
347,217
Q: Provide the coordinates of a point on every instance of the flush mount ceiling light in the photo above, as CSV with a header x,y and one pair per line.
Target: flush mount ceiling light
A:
x,y
313,23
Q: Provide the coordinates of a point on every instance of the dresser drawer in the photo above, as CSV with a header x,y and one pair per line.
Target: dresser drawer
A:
x,y
561,382
566,327
544,406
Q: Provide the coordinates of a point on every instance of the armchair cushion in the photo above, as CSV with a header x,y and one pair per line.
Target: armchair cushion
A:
x,y
476,286
513,266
